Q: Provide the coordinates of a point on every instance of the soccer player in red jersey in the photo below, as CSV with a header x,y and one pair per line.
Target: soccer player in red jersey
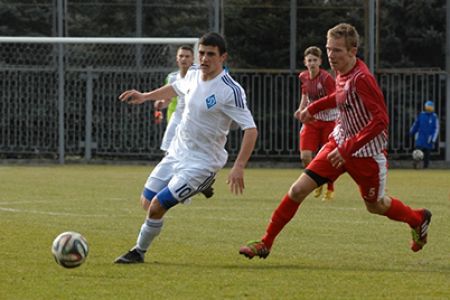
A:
x,y
356,146
316,83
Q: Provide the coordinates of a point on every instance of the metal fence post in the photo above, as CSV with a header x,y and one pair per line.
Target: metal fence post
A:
x,y
372,30
447,74
88,117
61,131
61,81
293,36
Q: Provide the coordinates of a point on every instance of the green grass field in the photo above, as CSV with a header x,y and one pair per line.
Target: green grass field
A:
x,y
329,250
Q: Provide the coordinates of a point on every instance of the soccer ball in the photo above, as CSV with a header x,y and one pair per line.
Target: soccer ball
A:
x,y
70,249
417,154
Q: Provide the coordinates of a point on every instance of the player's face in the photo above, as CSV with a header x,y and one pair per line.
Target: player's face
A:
x,y
185,59
211,62
341,59
313,63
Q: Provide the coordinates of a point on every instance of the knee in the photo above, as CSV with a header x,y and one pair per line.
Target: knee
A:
x,y
305,162
373,209
156,210
297,193
301,188
146,198
378,207
306,157
145,203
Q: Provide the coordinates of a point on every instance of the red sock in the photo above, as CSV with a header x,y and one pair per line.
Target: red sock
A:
x,y
403,213
280,217
330,186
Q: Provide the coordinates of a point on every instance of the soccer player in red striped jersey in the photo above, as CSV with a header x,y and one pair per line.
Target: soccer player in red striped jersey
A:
x,y
356,146
316,83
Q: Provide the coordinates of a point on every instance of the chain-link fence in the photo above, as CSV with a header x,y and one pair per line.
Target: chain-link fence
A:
x,y
59,101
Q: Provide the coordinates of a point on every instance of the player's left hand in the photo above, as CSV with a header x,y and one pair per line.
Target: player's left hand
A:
x,y
236,180
335,158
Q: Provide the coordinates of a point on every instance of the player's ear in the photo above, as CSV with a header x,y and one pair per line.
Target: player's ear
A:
x,y
224,56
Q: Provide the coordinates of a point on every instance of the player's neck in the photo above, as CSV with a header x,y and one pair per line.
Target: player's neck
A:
x,y
348,67
314,73
210,76
183,72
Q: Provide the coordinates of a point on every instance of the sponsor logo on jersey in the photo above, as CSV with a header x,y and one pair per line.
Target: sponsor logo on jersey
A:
x,y
210,101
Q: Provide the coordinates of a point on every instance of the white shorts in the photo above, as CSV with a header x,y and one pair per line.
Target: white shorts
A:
x,y
183,179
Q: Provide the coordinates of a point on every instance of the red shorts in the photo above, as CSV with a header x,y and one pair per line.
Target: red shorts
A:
x,y
315,134
368,172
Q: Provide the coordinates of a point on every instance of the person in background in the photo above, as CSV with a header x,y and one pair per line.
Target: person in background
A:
x,y
175,105
316,83
425,130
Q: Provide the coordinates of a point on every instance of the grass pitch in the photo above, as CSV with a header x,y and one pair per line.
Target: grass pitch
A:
x,y
328,251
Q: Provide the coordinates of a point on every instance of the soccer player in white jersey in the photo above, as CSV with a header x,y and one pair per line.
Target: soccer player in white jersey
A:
x,y
213,101
175,105
356,146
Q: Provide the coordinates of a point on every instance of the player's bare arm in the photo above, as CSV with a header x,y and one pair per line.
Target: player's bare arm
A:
x,y
236,175
136,97
164,103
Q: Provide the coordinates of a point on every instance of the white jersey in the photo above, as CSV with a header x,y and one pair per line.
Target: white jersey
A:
x,y
169,133
211,106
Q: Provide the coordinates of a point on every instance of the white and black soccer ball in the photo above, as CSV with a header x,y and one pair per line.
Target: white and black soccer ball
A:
x,y
417,155
70,249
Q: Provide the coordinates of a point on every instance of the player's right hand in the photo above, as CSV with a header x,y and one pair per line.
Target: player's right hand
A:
x,y
305,116
335,158
132,97
297,114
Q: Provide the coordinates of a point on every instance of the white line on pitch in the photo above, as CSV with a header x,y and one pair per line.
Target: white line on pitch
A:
x,y
49,213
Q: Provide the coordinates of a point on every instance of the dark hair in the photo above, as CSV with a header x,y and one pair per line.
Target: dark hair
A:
x,y
214,39
186,47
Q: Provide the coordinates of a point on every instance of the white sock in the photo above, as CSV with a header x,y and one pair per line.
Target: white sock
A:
x,y
149,230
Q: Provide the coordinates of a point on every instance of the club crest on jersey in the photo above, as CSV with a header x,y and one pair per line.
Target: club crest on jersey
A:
x,y
210,101
347,85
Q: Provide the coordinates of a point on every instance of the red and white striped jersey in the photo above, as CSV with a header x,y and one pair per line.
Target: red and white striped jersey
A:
x,y
361,129
316,88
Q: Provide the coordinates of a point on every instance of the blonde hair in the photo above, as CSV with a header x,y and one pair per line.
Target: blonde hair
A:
x,y
346,31
313,50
